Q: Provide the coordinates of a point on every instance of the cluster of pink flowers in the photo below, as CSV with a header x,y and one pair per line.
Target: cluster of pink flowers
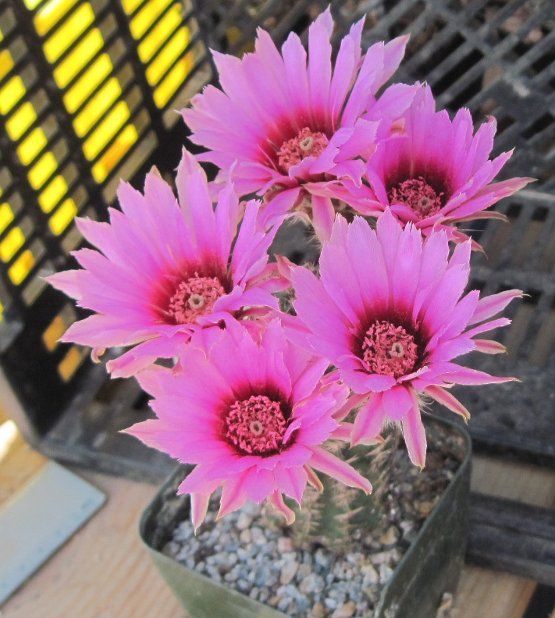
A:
x,y
253,395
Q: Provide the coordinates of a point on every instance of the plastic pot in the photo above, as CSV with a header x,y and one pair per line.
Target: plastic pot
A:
x,y
430,567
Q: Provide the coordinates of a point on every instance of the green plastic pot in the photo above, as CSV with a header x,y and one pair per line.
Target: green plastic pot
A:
x,y
431,566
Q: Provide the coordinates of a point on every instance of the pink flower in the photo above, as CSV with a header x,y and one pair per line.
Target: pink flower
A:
x,y
437,171
294,126
166,268
389,312
251,413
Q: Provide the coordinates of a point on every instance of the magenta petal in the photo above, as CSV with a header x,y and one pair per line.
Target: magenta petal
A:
x,y
99,331
369,420
352,403
343,432
159,435
319,62
259,484
291,481
227,219
393,54
197,481
315,308
195,201
362,382
278,207
491,305
449,401
98,234
346,62
233,495
488,326
472,377
397,401
415,435
331,465
276,499
199,508
294,56
143,355
312,371
323,214
489,346
68,282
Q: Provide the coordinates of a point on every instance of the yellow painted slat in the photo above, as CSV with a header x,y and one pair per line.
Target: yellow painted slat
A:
x,y
6,63
70,30
173,80
175,46
50,13
87,83
19,270
70,363
53,332
13,241
78,58
115,153
130,5
153,41
63,216
52,193
6,216
31,146
10,94
32,4
147,16
42,170
106,130
19,122
101,101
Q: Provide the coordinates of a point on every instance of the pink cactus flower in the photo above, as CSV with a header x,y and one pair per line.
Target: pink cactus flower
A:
x,y
251,412
165,268
294,125
437,171
389,312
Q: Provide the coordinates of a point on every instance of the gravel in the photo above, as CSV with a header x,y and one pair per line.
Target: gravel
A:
x,y
252,553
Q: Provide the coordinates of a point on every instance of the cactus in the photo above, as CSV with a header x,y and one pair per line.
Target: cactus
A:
x,y
333,516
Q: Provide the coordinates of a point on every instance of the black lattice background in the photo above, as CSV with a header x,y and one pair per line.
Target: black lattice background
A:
x,y
494,56
88,92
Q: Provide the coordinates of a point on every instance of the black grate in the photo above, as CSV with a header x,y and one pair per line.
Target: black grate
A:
x,y
56,161
519,417
88,91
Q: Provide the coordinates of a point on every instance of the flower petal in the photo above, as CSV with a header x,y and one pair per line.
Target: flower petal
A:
x,y
327,463
415,435
199,508
276,499
449,401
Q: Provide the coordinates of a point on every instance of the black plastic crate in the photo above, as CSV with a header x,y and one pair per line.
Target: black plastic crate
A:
x,y
494,56
88,92
519,418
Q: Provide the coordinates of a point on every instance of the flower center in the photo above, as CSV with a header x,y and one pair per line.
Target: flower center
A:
x,y
389,350
418,194
194,297
255,426
306,143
